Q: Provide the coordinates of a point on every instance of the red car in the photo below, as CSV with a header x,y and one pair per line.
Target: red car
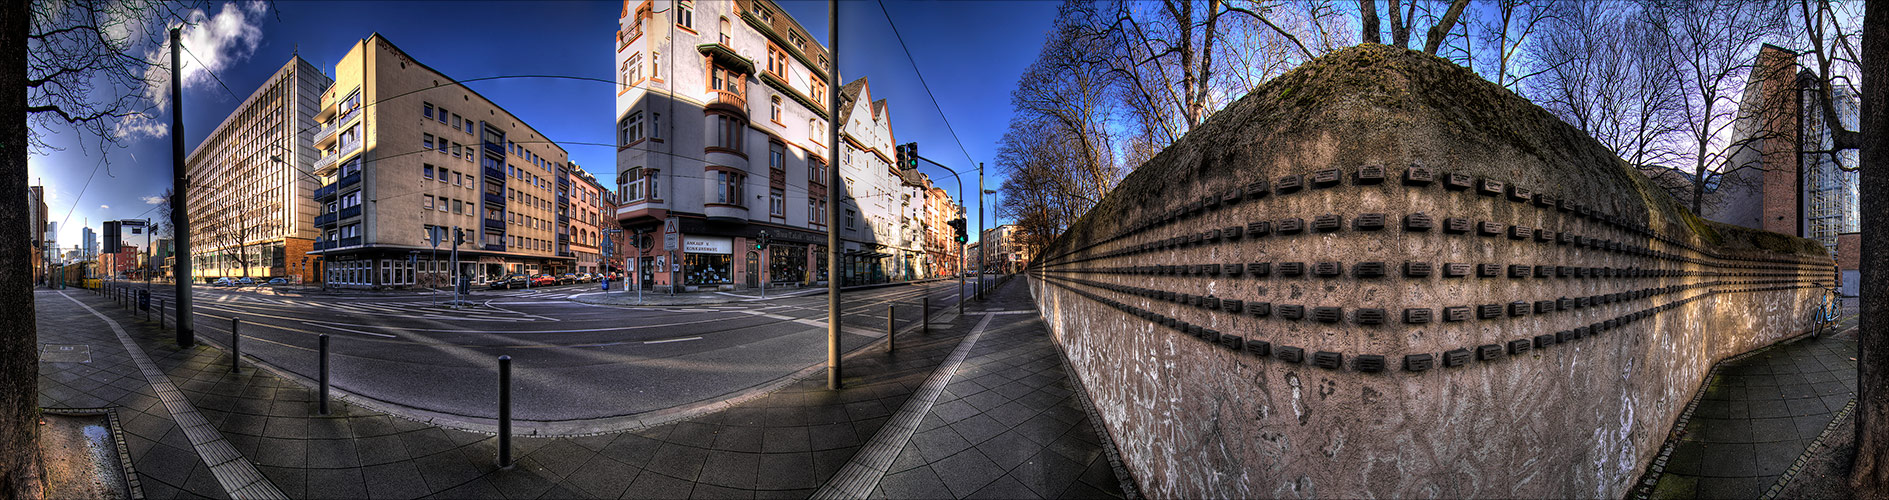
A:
x,y
544,280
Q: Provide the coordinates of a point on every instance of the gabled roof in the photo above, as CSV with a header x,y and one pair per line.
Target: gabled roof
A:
x,y
848,95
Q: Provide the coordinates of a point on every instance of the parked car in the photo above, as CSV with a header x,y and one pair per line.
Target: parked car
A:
x,y
508,282
544,280
567,278
245,281
278,281
223,282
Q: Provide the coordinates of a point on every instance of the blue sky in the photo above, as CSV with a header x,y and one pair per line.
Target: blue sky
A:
x,y
970,52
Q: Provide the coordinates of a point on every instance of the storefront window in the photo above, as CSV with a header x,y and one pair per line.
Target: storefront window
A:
x,y
708,269
787,264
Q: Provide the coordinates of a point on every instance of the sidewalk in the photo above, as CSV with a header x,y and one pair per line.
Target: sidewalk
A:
x,y
1006,422
1758,413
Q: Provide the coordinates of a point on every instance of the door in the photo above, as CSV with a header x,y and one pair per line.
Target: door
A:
x,y
754,269
648,271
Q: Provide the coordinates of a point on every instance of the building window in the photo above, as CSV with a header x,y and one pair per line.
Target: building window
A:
x,y
796,40
442,144
728,132
455,120
469,126
685,15
458,180
816,171
442,115
776,155
427,139
728,187
427,110
776,61
633,128
774,109
459,207
777,203
442,176
655,65
849,219
632,182
635,72
426,171
426,202
455,150
819,92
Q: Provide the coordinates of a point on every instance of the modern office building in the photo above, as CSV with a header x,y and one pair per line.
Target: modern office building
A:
x,y
43,247
88,240
1791,181
408,159
722,136
251,207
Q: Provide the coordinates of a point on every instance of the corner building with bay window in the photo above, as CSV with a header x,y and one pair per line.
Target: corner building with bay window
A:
x,y
722,135
408,157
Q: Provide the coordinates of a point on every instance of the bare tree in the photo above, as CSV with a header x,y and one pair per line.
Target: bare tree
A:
x,y
1511,28
74,65
1711,50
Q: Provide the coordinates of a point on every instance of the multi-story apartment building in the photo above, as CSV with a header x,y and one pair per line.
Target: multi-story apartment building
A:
x,y
715,148
587,220
1008,254
251,206
722,135
941,246
409,160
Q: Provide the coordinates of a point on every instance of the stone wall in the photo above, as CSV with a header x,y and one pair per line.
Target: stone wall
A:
x,y
1381,276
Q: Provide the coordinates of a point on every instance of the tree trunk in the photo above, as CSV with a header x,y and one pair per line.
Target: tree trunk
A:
x,y
1400,32
19,339
1870,477
1371,32
1443,27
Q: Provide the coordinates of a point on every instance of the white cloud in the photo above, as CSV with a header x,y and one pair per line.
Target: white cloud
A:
x,y
217,42
104,207
154,200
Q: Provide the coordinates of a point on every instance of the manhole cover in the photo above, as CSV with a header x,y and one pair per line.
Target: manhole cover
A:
x,y
65,353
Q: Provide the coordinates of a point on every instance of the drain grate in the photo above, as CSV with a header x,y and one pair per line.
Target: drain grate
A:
x,y
65,353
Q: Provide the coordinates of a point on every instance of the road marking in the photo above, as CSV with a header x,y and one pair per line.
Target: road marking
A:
x,y
236,475
1002,312
861,474
350,330
671,340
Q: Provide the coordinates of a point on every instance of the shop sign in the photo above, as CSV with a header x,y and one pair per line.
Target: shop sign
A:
x,y
708,244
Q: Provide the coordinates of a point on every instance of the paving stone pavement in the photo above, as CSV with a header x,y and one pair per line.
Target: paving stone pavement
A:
x,y
1758,414
1018,430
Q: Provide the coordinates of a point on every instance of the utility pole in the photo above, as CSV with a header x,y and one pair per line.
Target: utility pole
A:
x,y
459,234
180,185
833,189
983,247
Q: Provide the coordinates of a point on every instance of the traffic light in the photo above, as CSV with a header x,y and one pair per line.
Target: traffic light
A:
x,y
898,156
459,236
958,226
911,154
760,242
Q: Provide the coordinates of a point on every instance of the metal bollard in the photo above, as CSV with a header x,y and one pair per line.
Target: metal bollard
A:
x,y
891,318
505,412
236,345
324,373
924,316
160,314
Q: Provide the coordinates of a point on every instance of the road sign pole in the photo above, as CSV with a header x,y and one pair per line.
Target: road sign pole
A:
x,y
505,412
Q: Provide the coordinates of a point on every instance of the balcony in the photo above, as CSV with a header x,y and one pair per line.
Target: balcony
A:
x,y
494,199
349,180
350,242
350,212
324,165
324,245
327,219
724,54
495,223
495,173
326,134
495,148
727,100
326,192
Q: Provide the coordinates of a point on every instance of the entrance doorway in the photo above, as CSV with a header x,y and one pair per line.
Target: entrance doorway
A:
x,y
754,269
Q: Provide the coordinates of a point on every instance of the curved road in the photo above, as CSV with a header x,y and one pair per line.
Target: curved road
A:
x,y
571,362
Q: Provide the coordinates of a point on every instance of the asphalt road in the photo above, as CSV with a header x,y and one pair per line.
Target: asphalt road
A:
x,y
571,362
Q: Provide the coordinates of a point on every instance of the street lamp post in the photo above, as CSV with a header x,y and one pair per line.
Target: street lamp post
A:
x,y
961,257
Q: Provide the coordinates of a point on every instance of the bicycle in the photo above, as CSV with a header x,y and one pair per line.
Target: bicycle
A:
x,y
1828,308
